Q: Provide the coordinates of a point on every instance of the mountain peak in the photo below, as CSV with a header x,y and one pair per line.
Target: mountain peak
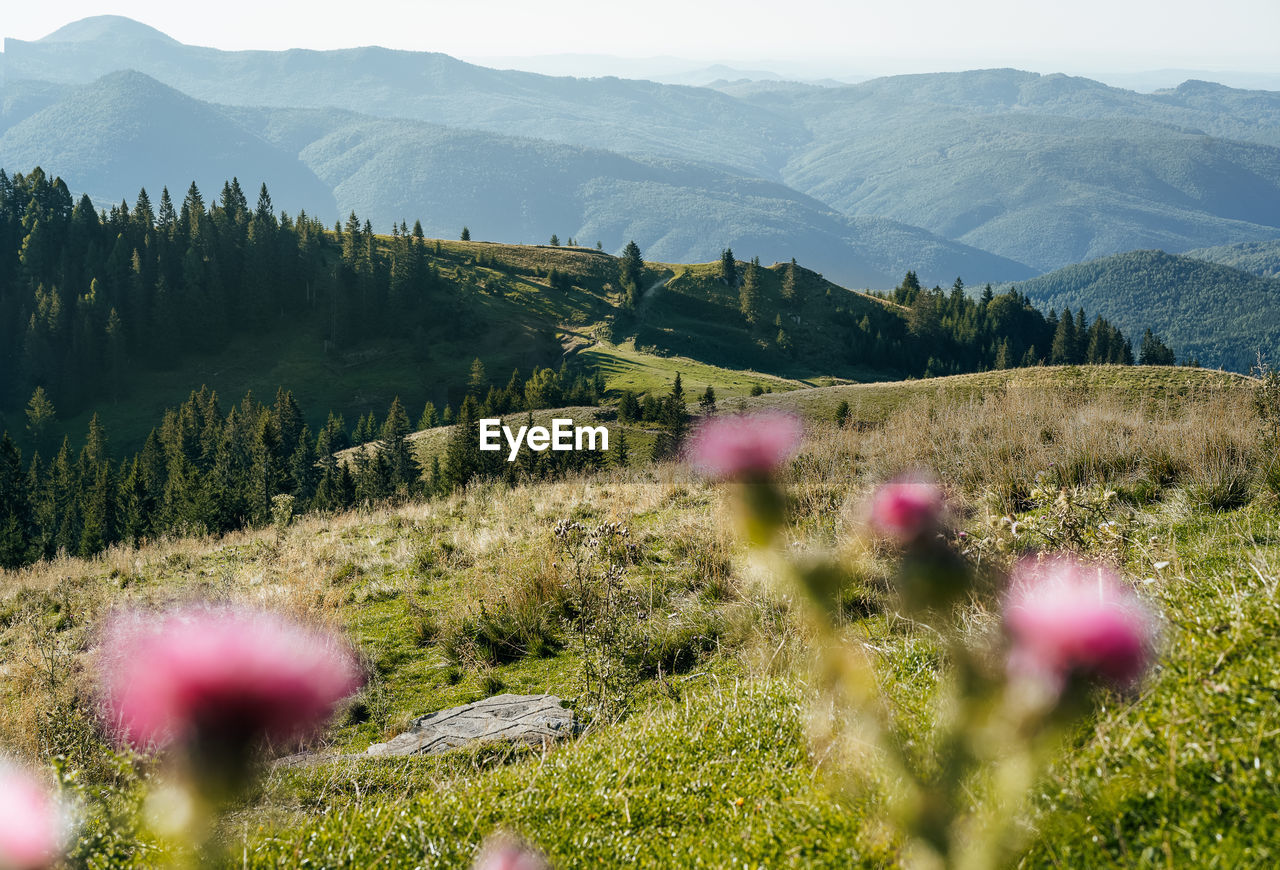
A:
x,y
106,28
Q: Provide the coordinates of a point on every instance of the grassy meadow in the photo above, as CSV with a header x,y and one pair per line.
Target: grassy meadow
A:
x,y
707,744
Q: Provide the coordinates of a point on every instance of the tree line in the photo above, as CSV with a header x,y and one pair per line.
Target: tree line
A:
x,y
210,470
87,296
1002,331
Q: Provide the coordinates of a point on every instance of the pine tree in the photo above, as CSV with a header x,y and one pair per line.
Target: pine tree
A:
x,y
621,450
728,267
466,234
675,422
429,419
1002,356
789,288
707,404
15,507
302,470
1154,352
1062,350
478,380
133,505
287,418
629,408
631,272
462,458
749,292
40,418
99,511
403,467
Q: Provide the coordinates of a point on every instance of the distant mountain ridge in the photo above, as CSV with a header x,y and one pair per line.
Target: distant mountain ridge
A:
x,y
618,114
127,130
1260,258
1041,171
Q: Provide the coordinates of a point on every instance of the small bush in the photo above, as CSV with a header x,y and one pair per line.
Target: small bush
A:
x,y
498,634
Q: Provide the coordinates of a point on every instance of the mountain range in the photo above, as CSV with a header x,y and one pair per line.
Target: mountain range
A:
x,y
995,175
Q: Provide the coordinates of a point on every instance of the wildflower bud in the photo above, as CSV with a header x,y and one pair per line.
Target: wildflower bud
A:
x,y
1069,621
751,447
907,510
219,683
31,822
504,854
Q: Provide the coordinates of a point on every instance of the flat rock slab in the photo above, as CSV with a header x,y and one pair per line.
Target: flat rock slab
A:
x,y
526,718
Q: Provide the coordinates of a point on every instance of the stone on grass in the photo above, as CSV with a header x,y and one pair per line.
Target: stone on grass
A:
x,y
535,719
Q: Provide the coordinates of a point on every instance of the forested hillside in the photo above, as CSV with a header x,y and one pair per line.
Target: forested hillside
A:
x,y
107,316
1215,314
1260,258
114,306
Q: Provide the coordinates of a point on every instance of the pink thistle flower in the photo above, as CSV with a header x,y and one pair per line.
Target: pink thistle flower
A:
x,y
745,447
222,676
505,854
906,509
1066,619
31,822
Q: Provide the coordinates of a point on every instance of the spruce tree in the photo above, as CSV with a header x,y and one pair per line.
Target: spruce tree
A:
x,y
462,458
1154,352
98,530
302,470
1062,350
707,404
478,380
728,267
15,507
631,273
621,450
40,418
749,292
789,288
403,466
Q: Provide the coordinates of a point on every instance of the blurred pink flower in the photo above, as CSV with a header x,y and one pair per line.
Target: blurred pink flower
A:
x,y
504,854
906,509
31,823
1067,618
746,446
222,674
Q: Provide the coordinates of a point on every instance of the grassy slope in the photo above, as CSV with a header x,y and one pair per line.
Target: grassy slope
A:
x,y
869,404
510,319
717,769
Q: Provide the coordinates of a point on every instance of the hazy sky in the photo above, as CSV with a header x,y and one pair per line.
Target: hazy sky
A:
x,y
826,35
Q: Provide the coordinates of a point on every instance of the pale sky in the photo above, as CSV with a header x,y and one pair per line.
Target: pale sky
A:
x,y
821,36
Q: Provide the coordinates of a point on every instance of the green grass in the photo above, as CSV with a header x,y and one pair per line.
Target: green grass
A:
x,y
723,777
1186,774
626,368
715,766
874,402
